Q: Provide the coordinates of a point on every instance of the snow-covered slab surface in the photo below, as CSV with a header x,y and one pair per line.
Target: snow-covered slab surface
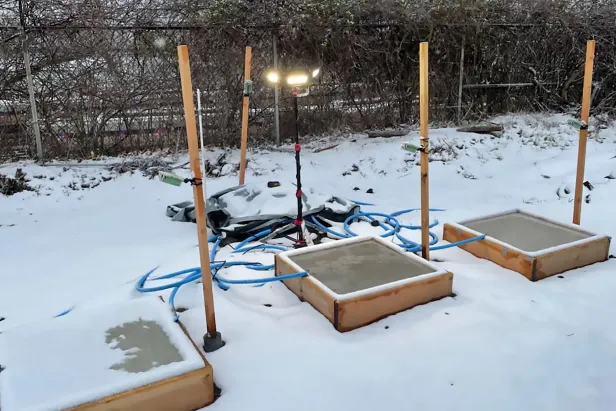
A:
x,y
502,344
93,353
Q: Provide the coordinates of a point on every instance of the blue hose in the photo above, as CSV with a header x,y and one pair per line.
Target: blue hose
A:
x,y
388,219
391,226
194,274
254,237
63,313
260,247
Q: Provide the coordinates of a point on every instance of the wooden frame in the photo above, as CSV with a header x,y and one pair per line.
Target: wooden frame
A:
x,y
187,392
356,309
187,384
533,265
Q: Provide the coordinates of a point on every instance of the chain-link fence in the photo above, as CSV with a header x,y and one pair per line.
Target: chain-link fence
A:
x,y
106,80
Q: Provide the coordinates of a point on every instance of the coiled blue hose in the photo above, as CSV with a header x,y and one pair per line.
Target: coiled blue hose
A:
x,y
391,225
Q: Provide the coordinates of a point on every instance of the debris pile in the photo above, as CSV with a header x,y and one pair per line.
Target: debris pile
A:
x,y
10,186
149,166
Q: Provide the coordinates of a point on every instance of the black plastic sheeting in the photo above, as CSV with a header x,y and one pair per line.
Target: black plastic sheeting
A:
x,y
245,210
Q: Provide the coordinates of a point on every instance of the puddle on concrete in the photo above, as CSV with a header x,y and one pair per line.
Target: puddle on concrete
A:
x,y
145,344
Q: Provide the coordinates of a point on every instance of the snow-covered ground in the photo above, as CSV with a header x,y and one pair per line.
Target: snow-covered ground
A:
x,y
503,343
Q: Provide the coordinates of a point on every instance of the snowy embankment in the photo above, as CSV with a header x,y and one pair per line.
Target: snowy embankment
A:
x,y
503,343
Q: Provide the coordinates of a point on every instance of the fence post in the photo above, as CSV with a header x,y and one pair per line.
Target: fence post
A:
x,y
200,114
30,82
276,93
461,82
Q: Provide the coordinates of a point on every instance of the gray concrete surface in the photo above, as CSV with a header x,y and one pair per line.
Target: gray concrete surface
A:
x,y
526,232
357,266
145,344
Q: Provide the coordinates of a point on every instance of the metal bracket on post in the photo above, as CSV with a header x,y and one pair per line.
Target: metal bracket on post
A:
x,y
423,144
301,91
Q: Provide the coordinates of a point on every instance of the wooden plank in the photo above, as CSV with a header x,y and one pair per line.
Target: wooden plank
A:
x,y
198,188
499,85
281,267
581,160
361,311
572,257
318,150
187,392
388,133
481,129
505,257
306,290
423,140
245,109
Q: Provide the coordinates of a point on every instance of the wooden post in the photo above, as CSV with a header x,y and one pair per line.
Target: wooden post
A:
x,y
198,188
245,101
581,161
423,140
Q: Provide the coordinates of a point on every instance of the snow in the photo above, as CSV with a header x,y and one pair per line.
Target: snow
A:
x,y
503,343
257,199
68,361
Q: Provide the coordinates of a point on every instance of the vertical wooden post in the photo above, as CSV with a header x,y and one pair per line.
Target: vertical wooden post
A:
x,y
245,101
581,161
198,188
423,136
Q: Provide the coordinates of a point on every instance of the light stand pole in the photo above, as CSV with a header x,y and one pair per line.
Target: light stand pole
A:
x,y
299,221
299,79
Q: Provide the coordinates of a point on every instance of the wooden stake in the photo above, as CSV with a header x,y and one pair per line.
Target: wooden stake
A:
x,y
198,188
423,135
245,101
581,161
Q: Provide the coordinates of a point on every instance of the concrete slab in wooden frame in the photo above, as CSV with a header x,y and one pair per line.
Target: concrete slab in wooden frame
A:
x,y
354,282
529,244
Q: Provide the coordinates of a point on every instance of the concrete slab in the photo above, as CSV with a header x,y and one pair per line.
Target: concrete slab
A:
x,y
526,231
147,340
359,266
532,245
93,354
354,282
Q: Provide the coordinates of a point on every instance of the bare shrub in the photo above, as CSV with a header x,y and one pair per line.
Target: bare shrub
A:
x,y
107,82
